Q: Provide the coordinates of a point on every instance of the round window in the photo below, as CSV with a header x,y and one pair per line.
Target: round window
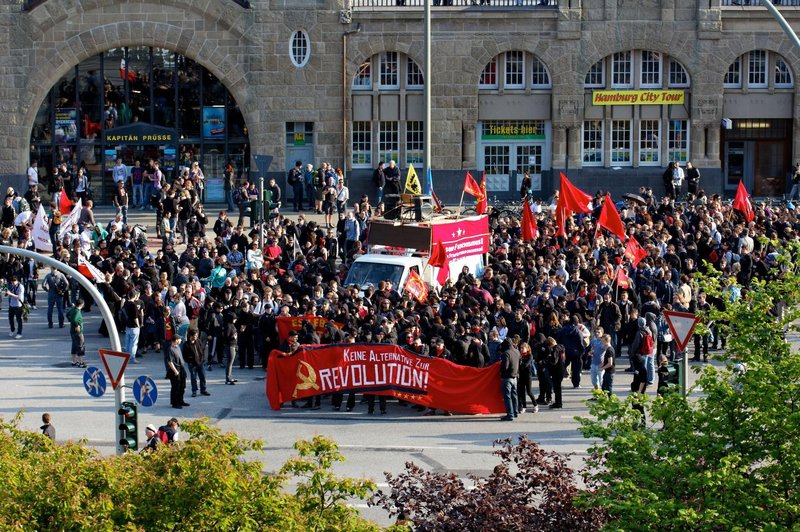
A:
x,y
299,48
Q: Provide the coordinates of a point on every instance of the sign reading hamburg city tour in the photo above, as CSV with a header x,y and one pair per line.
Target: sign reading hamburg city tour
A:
x,y
638,97
383,369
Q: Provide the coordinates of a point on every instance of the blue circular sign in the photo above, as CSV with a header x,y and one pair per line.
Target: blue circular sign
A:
x,y
94,381
145,391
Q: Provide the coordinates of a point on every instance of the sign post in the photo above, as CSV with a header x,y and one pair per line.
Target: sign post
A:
x,y
105,311
682,325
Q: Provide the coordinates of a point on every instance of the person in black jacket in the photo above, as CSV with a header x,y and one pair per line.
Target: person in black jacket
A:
x,y
570,337
509,372
380,182
525,381
554,360
176,373
195,356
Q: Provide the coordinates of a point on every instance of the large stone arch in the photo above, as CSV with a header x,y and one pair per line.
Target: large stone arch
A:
x,y
223,56
363,49
737,47
224,13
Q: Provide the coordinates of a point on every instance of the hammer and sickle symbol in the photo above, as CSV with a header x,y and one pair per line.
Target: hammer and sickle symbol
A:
x,y
307,381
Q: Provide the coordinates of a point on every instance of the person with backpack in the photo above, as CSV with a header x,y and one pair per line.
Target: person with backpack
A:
x,y
57,288
169,433
642,348
75,317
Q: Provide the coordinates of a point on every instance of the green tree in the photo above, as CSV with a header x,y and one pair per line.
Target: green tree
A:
x,y
203,483
322,495
729,457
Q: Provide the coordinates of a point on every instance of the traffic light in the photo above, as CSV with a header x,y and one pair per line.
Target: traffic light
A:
x,y
128,426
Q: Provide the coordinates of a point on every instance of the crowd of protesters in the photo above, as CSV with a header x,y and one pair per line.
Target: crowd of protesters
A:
x,y
548,309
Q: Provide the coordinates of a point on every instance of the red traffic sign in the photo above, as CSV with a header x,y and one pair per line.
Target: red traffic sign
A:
x,y
681,324
115,363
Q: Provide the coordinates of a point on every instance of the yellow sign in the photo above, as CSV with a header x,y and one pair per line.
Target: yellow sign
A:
x,y
641,97
135,137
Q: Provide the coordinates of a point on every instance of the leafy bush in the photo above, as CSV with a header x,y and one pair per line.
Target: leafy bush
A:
x,y
203,483
531,489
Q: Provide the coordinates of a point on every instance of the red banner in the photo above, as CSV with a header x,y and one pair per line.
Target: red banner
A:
x,y
295,323
468,236
383,369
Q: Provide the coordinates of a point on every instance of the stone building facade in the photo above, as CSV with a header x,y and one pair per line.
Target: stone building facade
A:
x,y
514,88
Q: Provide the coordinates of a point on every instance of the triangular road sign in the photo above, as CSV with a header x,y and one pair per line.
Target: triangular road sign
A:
x,y
681,324
115,363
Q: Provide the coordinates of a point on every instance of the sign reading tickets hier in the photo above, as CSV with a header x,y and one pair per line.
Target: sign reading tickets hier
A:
x,y
640,97
383,369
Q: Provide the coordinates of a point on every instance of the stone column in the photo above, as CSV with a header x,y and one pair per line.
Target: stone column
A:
x,y
697,143
559,146
468,145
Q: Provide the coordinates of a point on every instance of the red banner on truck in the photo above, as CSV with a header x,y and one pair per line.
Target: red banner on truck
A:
x,y
466,237
383,369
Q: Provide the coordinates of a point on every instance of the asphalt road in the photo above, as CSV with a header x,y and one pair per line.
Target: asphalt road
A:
x,y
36,377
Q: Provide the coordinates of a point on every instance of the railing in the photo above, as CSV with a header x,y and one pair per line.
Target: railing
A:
x,y
356,4
28,5
757,3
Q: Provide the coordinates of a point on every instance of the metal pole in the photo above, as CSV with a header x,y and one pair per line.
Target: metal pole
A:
x,y
685,374
428,125
261,213
108,317
787,29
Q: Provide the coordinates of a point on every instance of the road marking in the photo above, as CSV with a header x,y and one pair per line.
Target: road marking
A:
x,y
415,448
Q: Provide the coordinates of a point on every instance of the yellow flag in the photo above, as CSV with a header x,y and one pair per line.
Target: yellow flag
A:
x,y
412,181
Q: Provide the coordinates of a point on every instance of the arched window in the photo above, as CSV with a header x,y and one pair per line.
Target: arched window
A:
x,y
392,132
300,48
751,71
644,135
509,72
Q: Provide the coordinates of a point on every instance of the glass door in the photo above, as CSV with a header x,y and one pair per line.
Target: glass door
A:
x,y
529,159
496,164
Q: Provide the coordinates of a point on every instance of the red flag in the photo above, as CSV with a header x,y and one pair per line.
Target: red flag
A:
x,y
439,260
65,204
529,227
634,251
574,198
622,279
570,199
89,270
416,286
742,203
471,186
482,204
609,218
